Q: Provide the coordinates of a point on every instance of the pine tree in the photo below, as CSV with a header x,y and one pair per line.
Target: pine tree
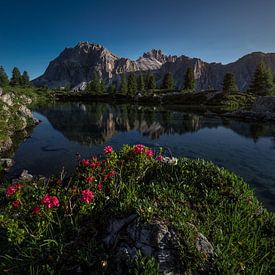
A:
x,y
168,81
141,84
150,81
111,89
229,83
262,83
4,80
95,85
132,84
25,80
101,88
16,77
189,83
123,84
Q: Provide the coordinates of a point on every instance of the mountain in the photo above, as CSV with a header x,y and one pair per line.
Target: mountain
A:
x,y
76,65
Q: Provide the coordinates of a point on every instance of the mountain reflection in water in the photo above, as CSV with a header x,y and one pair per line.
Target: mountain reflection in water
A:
x,y
85,128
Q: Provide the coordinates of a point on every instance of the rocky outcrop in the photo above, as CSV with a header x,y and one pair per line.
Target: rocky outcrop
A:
x,y
129,236
76,65
262,109
14,117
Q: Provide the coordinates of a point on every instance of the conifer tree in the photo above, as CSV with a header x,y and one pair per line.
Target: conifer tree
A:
x,y
150,81
132,84
16,77
123,84
189,81
4,80
262,83
95,85
141,84
229,83
111,89
101,88
168,81
25,80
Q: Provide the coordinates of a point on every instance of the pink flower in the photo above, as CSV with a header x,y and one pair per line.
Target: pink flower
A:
x,y
55,201
87,196
90,179
149,152
112,173
36,210
139,149
108,149
99,186
11,190
85,162
95,164
50,201
159,158
16,203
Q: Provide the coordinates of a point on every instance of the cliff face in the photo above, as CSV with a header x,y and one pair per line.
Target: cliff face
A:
x,y
76,65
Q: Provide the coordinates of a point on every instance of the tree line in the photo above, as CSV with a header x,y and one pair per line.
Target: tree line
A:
x,y
143,84
263,83
17,79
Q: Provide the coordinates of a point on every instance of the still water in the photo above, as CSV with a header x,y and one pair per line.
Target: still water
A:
x,y
68,129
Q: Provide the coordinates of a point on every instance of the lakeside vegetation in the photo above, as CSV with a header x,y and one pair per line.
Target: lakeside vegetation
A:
x,y
42,220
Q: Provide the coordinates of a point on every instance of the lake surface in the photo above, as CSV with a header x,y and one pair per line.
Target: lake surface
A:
x,y
73,128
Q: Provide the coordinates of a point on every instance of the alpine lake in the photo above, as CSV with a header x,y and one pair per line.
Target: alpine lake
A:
x,y
69,130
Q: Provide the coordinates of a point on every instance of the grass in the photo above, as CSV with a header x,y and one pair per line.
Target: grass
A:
x,y
215,201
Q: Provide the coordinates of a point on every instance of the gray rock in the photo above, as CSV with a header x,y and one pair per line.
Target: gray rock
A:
x,y
203,245
7,98
6,163
26,176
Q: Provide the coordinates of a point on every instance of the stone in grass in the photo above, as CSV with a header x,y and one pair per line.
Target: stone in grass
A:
x,y
26,176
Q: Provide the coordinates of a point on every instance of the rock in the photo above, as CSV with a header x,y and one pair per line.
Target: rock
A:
x,y
25,111
26,176
1,91
262,109
6,163
155,239
7,98
203,245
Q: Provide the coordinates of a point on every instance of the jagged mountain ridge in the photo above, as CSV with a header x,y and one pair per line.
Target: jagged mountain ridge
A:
x,y
76,65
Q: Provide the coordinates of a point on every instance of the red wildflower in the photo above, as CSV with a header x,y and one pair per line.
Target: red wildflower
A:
x,y
149,152
95,164
36,210
105,177
11,190
16,203
112,173
159,158
139,149
99,186
50,201
108,149
85,162
87,196
90,179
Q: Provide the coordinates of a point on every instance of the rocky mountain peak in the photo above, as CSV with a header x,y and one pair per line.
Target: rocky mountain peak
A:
x,y
159,56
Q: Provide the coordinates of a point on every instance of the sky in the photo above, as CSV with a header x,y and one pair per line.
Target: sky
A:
x,y
33,32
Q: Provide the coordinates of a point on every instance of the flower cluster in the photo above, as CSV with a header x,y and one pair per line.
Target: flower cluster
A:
x,y
50,201
108,149
87,196
141,149
13,189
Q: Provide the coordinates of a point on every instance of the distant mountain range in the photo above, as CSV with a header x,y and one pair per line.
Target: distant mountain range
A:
x,y
76,65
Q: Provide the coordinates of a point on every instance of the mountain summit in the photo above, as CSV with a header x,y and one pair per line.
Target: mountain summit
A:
x,y
76,65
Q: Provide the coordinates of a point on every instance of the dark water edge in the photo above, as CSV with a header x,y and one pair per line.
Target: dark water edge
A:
x,y
72,128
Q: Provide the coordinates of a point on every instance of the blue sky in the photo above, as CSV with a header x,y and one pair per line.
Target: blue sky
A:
x,y
33,32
